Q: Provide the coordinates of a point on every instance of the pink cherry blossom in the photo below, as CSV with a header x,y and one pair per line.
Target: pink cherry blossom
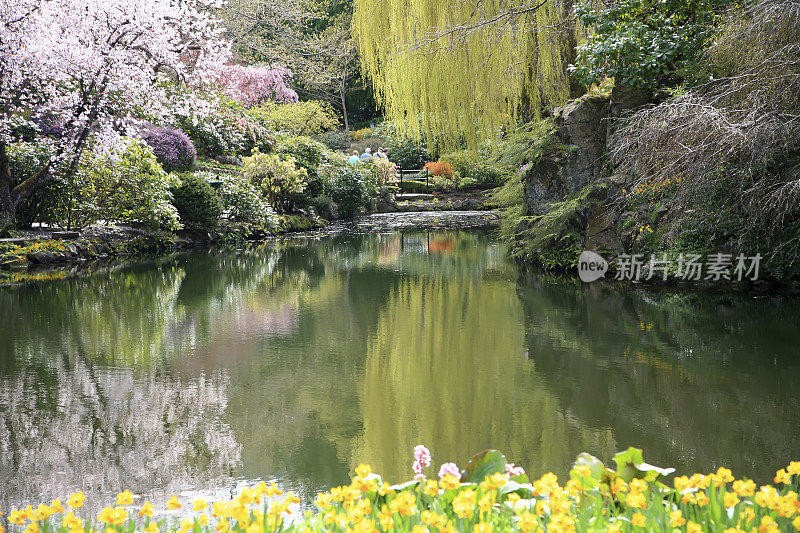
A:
x,y
252,85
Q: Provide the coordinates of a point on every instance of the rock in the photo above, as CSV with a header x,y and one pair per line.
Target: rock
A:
x,y
556,176
42,257
65,235
229,160
601,234
618,179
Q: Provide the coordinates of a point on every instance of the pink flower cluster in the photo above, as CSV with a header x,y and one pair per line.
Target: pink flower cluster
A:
x,y
514,470
252,85
449,468
422,460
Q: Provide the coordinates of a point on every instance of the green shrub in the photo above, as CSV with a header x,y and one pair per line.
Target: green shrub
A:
x,y
468,164
351,188
413,187
127,185
241,200
407,153
198,205
227,129
303,118
335,140
280,179
324,207
307,152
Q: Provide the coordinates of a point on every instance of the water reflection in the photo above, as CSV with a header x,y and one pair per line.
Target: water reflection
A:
x,y
296,360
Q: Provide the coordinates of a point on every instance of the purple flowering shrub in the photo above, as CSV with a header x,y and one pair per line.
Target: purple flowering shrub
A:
x,y
173,148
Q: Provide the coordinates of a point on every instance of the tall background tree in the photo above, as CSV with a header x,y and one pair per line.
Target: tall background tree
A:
x,y
313,39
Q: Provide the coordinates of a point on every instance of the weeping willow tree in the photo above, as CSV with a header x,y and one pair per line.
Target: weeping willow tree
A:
x,y
457,70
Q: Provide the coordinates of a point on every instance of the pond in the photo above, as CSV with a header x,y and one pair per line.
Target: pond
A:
x,y
295,360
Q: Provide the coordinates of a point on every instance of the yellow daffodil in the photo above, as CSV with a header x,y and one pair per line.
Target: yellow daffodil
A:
x,y
782,476
431,487
70,521
449,482
676,518
730,499
56,506
173,503
76,499
125,498
146,510
113,516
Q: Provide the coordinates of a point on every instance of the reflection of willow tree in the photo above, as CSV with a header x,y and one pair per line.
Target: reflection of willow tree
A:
x,y
696,384
447,370
101,430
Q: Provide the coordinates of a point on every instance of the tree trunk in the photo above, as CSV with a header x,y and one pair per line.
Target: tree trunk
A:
x,y
344,110
8,207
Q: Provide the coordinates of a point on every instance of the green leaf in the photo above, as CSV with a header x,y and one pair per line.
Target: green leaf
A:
x,y
630,465
403,486
483,464
525,490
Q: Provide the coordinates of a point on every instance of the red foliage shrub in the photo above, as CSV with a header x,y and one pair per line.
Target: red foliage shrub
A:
x,y
441,169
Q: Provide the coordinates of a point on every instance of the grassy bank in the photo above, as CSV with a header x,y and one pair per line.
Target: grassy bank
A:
x,y
487,495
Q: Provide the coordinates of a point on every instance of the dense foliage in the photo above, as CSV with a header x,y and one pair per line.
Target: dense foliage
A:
x,y
643,43
302,118
91,68
463,70
241,200
351,188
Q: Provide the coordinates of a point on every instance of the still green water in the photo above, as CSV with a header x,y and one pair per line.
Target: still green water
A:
x,y
295,361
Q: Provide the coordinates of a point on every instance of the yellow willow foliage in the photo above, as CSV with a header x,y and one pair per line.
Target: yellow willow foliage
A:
x,y
440,68
465,391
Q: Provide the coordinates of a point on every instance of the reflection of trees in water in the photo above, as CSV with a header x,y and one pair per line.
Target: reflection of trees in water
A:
x,y
448,371
121,319
695,383
102,429
356,348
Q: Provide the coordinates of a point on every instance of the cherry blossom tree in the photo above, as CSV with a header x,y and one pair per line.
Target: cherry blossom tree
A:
x,y
89,67
254,84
